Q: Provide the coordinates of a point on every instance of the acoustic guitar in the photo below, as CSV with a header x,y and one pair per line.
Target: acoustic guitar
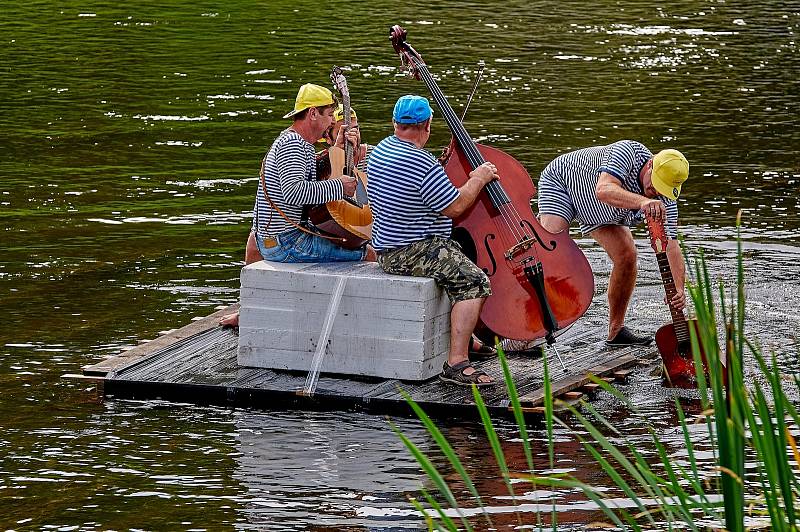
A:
x,y
673,339
350,218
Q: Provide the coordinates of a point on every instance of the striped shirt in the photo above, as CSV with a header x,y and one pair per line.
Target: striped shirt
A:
x,y
567,186
290,173
407,192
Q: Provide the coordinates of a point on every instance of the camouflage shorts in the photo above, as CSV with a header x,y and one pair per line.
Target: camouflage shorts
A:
x,y
441,259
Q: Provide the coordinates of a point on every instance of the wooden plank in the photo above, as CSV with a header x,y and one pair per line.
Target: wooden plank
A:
x,y
571,396
140,352
202,367
621,375
576,381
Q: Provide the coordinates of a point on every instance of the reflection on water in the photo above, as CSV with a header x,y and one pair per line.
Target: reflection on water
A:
x,y
131,139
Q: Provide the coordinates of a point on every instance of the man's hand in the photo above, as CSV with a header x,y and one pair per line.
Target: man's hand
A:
x,y
484,173
678,301
468,192
653,209
352,135
348,183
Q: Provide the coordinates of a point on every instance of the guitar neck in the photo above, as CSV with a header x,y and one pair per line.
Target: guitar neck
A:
x,y
348,147
495,190
678,318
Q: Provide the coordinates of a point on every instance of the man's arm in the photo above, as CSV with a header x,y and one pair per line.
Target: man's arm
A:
x,y
678,267
469,191
291,160
609,190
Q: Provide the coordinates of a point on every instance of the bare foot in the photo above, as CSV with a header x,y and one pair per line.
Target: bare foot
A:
x,y
371,255
230,320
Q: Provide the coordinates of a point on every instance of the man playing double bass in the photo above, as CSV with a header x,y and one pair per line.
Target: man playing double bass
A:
x,y
412,203
608,189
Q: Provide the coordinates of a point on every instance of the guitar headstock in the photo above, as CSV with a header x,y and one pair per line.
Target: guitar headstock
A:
x,y
658,235
408,56
339,81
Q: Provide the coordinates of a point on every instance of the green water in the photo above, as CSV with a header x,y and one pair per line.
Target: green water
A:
x,y
130,137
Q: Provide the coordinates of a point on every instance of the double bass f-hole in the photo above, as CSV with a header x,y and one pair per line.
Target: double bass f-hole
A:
x,y
527,242
486,239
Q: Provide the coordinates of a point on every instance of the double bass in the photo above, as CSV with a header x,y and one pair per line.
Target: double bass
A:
x,y
350,218
541,282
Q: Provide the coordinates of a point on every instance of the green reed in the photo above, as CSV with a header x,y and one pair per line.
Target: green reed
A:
x,y
752,419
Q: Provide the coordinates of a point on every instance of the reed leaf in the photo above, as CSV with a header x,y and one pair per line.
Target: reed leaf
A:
x,y
591,493
513,397
432,473
519,416
494,441
444,519
549,419
448,451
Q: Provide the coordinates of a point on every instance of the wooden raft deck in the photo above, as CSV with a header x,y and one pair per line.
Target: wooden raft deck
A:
x,y
197,364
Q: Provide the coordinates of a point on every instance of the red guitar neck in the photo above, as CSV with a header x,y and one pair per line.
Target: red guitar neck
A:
x,y
678,319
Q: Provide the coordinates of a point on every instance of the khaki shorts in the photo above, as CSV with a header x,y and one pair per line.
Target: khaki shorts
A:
x,y
441,259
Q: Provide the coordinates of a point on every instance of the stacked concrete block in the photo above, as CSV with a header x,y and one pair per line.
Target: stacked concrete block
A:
x,y
386,326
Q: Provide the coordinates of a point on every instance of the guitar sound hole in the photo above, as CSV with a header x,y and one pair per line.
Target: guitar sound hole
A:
x,y
685,349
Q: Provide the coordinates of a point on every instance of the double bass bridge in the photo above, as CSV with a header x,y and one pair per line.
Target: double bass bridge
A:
x,y
523,245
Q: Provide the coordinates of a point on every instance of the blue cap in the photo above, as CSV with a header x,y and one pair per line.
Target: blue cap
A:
x,y
412,109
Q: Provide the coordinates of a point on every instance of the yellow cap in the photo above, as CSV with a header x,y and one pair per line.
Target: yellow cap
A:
x,y
338,113
310,95
670,170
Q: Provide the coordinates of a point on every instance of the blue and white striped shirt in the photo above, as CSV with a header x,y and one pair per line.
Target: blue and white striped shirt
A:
x,y
290,173
576,174
407,192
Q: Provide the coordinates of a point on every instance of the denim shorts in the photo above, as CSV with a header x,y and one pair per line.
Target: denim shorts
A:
x,y
295,245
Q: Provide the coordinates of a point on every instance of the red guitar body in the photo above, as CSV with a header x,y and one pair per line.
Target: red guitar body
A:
x,y
674,340
677,356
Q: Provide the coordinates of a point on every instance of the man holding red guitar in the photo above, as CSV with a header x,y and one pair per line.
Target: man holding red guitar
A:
x,y
608,189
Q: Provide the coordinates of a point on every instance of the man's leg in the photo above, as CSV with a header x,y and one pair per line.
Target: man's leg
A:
x,y
617,241
553,223
371,256
463,318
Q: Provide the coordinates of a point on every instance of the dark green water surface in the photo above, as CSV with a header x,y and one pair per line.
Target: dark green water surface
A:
x,y
130,138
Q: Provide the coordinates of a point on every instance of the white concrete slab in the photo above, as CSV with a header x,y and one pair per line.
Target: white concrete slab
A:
x,y
386,326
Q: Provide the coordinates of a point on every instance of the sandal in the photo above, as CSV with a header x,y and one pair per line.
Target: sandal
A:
x,y
481,353
455,375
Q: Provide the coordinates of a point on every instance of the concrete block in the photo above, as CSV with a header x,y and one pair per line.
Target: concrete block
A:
x,y
387,326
